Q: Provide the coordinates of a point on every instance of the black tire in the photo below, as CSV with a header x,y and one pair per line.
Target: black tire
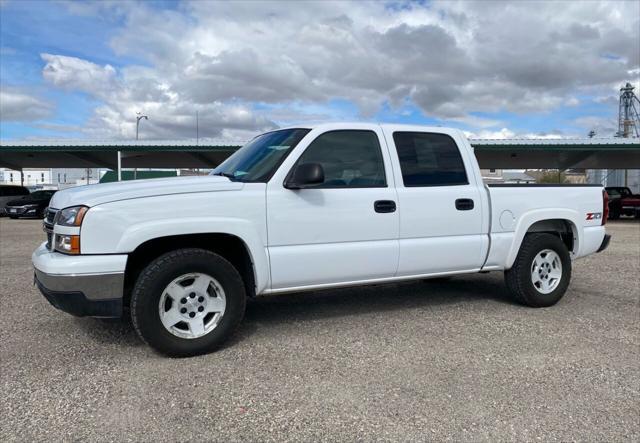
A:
x,y
153,280
518,278
614,213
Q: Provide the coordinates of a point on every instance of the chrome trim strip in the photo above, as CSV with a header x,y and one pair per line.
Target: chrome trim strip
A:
x,y
93,286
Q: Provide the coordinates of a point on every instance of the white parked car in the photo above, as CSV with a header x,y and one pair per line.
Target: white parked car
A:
x,y
302,209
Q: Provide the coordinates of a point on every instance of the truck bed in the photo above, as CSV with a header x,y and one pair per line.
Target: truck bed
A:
x,y
580,207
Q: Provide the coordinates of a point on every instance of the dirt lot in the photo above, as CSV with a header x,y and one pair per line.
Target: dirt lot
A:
x,y
414,361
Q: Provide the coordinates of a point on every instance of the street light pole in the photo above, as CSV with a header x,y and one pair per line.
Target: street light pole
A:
x,y
139,117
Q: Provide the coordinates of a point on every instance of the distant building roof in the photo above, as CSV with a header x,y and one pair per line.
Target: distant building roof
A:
x,y
563,143
71,145
595,153
145,145
111,143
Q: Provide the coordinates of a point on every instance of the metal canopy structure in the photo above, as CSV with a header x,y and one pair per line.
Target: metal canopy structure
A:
x,y
587,153
582,153
104,154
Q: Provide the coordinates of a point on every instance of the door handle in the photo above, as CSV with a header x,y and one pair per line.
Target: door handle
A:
x,y
464,204
384,206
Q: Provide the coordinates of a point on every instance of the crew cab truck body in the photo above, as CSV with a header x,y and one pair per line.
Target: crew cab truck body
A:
x,y
301,209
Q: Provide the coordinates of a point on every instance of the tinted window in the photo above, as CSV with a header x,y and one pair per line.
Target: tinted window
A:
x,y
429,159
613,193
350,159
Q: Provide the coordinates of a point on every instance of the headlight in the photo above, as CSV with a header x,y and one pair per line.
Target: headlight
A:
x,y
71,216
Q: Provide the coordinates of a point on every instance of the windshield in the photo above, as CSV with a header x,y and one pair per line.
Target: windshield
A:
x,y
258,160
40,195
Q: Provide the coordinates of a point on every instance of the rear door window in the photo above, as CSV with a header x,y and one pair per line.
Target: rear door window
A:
x,y
429,159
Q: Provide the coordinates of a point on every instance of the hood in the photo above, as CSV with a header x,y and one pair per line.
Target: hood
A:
x,y
26,200
91,195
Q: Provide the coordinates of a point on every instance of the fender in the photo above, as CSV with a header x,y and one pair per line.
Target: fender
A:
x,y
526,220
138,233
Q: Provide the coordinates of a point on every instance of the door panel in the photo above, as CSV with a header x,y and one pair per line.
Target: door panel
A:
x,y
333,234
319,236
435,235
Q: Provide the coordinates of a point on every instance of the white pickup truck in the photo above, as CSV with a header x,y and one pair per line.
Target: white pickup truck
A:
x,y
301,209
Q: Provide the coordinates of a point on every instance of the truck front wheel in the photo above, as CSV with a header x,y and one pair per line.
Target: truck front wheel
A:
x,y
541,272
187,302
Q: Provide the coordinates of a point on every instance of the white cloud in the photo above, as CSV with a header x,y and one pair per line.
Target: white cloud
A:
x,y
20,106
141,89
73,73
506,133
602,125
452,59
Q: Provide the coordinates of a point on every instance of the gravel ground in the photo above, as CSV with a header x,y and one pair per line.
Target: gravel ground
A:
x,y
414,361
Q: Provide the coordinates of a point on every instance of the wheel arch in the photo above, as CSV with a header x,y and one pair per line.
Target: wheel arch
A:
x,y
230,246
560,222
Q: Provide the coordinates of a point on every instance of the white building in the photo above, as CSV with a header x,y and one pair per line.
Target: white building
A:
x,y
67,177
31,177
55,178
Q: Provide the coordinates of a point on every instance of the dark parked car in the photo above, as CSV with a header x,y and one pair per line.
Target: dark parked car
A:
x,y
32,205
622,202
8,193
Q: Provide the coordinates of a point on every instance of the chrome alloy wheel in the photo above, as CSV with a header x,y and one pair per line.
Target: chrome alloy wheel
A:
x,y
192,305
546,271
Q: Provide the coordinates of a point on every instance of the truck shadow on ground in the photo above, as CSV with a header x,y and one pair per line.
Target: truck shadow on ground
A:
x,y
373,298
274,310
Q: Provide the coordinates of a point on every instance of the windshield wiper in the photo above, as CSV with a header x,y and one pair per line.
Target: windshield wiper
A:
x,y
231,177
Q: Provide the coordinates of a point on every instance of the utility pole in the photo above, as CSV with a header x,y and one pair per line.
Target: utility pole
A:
x,y
119,166
197,134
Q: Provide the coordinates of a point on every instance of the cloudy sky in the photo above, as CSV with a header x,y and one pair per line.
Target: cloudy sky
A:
x,y
494,69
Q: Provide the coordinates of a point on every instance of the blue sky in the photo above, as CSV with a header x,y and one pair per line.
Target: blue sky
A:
x,y
82,70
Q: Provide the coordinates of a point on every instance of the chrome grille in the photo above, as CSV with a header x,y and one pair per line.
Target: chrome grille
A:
x,y
50,215
47,224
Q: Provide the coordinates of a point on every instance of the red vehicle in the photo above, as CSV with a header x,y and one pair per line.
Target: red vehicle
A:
x,y
623,202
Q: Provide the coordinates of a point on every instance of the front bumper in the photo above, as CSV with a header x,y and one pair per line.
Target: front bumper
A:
x,y
90,285
76,302
21,211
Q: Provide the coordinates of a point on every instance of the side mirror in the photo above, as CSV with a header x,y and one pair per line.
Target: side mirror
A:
x,y
305,175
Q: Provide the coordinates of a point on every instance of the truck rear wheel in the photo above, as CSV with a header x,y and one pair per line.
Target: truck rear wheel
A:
x,y
541,272
187,302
